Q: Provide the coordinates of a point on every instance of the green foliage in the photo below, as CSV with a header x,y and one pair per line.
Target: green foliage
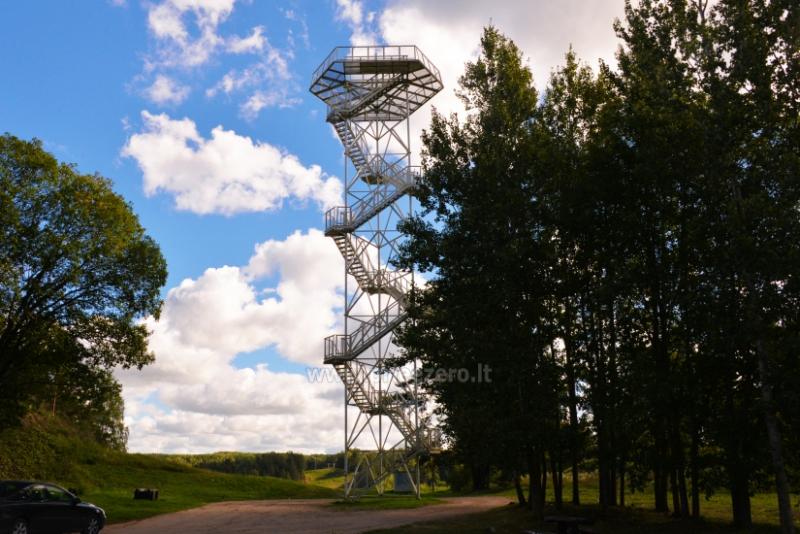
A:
x,y
77,272
625,247
274,464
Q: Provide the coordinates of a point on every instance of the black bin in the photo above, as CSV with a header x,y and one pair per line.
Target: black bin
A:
x,y
146,494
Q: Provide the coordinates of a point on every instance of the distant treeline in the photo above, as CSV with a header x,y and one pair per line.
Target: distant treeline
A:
x,y
291,465
274,464
320,461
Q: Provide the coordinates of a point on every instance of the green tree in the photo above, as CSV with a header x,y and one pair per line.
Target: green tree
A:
x,y
625,247
77,272
751,71
486,244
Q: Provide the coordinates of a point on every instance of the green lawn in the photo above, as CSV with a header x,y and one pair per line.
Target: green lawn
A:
x,y
512,519
387,502
180,486
47,449
327,477
635,518
334,479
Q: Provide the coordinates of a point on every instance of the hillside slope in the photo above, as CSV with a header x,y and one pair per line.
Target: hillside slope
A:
x,y
47,449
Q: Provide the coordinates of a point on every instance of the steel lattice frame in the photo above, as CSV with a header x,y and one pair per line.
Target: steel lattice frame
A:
x,y
371,91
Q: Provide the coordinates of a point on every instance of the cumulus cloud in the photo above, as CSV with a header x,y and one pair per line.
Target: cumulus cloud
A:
x,y
166,91
227,173
208,321
448,32
179,46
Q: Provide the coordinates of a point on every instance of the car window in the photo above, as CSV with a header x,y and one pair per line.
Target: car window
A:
x,y
10,490
35,493
56,494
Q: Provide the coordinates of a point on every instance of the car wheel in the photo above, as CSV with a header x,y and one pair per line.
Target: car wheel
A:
x,y
93,528
20,527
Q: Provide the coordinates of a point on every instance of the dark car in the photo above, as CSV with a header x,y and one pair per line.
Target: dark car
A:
x,y
41,508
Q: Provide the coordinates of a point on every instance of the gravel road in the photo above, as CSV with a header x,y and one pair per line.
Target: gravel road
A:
x,y
297,516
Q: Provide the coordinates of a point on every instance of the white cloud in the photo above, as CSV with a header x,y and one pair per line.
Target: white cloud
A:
x,y
178,47
222,311
187,35
253,43
448,32
205,403
265,99
269,81
166,91
227,173
293,16
351,12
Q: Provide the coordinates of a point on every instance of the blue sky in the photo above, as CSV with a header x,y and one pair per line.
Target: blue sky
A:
x,y
198,111
71,77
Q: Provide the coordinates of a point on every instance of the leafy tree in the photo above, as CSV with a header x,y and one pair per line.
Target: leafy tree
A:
x,y
489,250
77,272
625,247
90,398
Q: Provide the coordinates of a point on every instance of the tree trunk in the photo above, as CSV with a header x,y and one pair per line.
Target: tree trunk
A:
x,y
612,398
693,460
681,506
555,473
535,490
622,481
660,487
518,488
543,493
602,478
673,485
684,498
573,416
740,498
773,431
775,445
480,477
661,388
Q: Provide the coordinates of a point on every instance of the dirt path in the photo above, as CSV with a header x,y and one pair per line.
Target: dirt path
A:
x,y
302,516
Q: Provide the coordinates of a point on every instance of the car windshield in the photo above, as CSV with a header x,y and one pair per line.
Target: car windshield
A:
x,y
56,494
8,489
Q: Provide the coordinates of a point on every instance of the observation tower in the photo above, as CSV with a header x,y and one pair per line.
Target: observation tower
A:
x,y
370,92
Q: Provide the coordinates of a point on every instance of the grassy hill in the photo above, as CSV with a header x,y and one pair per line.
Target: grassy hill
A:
x,y
327,477
47,449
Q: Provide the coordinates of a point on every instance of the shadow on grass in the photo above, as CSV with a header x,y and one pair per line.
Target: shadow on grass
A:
x,y
514,519
388,502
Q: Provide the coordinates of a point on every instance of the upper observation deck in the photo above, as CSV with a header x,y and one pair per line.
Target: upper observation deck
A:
x,y
375,83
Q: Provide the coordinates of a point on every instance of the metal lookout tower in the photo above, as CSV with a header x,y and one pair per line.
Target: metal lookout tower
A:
x,y
370,92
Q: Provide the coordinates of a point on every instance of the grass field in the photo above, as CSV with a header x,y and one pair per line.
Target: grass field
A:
x,y
327,477
636,517
334,479
49,450
389,502
180,487
512,519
